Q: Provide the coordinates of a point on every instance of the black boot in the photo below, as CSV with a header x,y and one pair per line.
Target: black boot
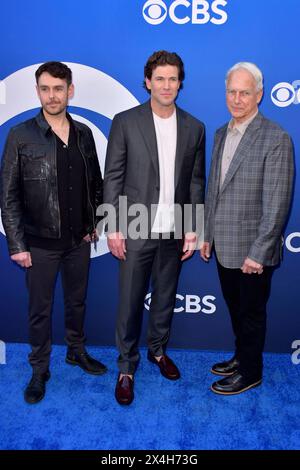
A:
x,y
35,390
226,367
86,362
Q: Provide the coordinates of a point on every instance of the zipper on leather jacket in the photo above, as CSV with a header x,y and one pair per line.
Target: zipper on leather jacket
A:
x,y
87,182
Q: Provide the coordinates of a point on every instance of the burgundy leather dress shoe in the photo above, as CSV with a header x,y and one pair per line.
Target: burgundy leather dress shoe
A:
x,y
167,367
124,390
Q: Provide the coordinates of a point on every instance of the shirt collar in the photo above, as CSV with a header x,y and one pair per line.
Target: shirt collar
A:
x,y
241,128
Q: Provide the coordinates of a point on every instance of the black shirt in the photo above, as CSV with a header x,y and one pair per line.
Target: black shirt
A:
x,y
71,196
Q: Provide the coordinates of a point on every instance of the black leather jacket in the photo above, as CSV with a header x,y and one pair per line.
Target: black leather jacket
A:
x,y
28,182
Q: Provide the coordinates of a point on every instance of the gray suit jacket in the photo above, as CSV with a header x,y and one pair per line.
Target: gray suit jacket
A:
x,y
132,168
245,218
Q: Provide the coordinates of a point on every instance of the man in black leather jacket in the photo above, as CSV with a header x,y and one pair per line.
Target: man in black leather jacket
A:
x,y
50,188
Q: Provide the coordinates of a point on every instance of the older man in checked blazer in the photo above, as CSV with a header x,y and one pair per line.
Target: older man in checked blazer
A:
x,y
247,203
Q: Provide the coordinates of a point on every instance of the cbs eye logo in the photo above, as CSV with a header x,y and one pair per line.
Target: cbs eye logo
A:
x,y
291,244
199,11
155,11
189,303
284,94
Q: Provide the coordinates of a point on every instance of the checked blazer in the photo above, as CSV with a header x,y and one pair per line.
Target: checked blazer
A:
x,y
245,217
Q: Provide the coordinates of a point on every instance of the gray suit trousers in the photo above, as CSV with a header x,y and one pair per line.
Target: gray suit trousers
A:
x,y
158,260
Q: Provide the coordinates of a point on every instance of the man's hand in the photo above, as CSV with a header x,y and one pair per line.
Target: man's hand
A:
x,y
23,259
189,245
93,237
251,267
205,251
116,245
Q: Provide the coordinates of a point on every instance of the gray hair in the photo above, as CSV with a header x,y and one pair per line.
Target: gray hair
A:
x,y
251,68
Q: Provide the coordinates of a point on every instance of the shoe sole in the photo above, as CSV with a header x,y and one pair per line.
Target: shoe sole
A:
x,y
170,378
73,363
256,384
124,403
227,374
34,402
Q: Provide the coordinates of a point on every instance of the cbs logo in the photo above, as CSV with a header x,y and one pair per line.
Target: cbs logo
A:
x,y
284,94
289,242
190,304
199,11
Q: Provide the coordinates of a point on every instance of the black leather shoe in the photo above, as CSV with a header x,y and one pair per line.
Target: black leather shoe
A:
x,y
86,362
226,368
35,390
167,367
234,384
124,390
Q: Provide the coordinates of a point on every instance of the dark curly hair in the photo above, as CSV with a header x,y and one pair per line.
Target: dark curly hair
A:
x,y
163,58
55,69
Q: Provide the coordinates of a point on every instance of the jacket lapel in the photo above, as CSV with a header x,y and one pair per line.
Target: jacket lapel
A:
x,y
217,155
147,129
243,150
182,140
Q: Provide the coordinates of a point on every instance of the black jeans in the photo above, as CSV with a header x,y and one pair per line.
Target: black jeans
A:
x,y
41,279
246,296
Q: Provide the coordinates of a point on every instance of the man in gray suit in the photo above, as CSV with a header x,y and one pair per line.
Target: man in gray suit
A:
x,y
247,203
155,157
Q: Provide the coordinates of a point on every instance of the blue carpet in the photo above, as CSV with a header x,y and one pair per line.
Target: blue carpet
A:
x,y
80,412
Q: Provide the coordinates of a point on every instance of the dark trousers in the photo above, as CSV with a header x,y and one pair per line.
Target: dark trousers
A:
x,y
246,296
41,279
160,261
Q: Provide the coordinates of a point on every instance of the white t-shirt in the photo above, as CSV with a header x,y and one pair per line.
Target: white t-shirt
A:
x,y
166,136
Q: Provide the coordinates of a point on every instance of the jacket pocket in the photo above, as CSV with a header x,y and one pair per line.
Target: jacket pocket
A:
x,y
33,166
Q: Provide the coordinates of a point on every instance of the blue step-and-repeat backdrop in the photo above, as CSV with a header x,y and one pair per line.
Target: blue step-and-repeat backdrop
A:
x,y
106,43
